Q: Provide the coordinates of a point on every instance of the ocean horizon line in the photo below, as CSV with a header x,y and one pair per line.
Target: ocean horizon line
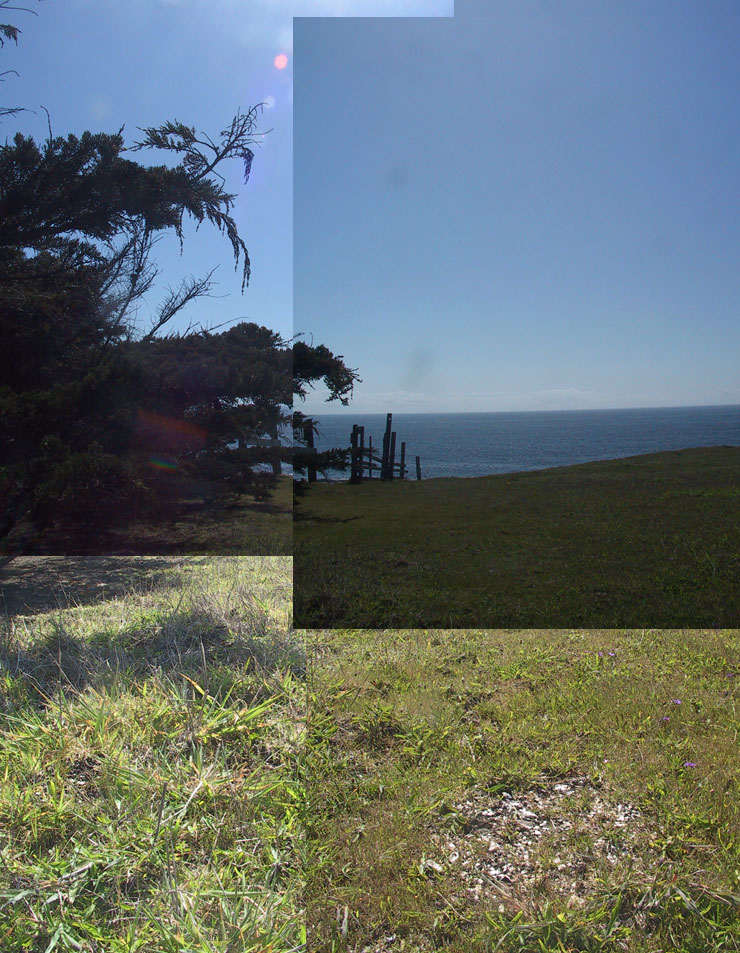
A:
x,y
565,410
478,443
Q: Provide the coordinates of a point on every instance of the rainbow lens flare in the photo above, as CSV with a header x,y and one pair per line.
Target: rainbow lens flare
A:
x,y
161,463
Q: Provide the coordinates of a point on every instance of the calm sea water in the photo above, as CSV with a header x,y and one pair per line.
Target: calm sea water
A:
x,y
467,445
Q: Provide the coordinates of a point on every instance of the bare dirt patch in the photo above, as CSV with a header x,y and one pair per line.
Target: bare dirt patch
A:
x,y
558,839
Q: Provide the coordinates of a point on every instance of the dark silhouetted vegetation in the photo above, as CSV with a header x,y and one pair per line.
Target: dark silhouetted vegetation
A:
x,y
104,423
313,364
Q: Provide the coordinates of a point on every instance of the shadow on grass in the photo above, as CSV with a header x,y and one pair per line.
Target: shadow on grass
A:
x,y
172,619
301,489
298,517
239,527
32,584
215,645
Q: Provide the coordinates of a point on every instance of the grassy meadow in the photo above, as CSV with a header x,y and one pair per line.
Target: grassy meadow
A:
x,y
563,790
150,774
241,527
651,540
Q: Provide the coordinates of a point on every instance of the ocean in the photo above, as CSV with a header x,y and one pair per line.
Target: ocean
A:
x,y
477,444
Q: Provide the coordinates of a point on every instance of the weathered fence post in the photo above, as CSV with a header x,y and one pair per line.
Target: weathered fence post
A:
x,y
386,448
355,457
384,463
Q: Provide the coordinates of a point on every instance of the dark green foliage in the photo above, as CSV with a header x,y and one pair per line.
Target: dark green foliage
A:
x,y
335,459
65,410
312,364
317,363
82,184
208,199
155,420
215,400
99,421
88,487
206,374
8,32
232,470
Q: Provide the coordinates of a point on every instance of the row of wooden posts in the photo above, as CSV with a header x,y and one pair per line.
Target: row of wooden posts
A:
x,y
365,458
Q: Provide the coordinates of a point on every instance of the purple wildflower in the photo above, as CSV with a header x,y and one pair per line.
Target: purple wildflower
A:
x,y
689,764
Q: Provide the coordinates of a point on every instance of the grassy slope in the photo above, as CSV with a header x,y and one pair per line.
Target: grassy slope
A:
x,y
242,529
558,790
646,541
149,767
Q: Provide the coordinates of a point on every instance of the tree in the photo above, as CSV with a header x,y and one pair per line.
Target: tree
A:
x,y
226,392
84,186
78,222
311,364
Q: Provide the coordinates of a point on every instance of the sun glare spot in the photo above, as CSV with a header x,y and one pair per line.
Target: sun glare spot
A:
x,y
281,61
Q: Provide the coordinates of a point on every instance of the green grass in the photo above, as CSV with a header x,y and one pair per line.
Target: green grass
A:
x,y
242,527
645,541
523,791
150,777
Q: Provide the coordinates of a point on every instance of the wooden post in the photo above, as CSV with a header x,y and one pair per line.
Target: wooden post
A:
x,y
418,468
353,453
392,456
355,458
386,448
402,467
308,437
361,455
370,458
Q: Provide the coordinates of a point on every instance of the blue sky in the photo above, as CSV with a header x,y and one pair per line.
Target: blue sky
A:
x,y
99,66
534,209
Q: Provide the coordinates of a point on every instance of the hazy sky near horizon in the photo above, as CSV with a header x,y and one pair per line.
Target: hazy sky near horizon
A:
x,y
100,66
535,209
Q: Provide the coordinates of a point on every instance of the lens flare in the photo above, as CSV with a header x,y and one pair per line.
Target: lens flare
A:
x,y
166,438
281,61
161,463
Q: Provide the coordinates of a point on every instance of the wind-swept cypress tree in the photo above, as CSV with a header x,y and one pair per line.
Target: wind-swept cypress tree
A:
x,y
78,220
